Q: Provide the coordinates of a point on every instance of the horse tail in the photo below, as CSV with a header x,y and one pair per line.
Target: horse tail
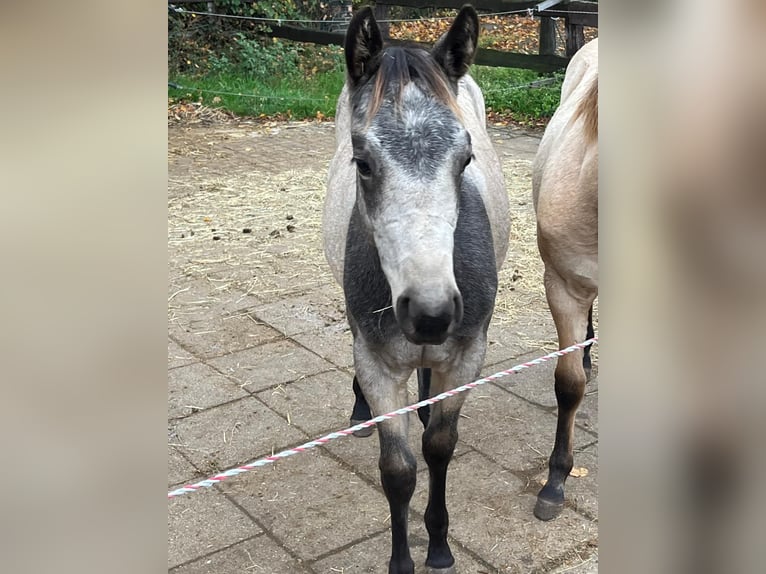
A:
x,y
588,110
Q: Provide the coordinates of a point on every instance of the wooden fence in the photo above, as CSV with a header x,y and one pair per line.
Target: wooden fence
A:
x,y
576,15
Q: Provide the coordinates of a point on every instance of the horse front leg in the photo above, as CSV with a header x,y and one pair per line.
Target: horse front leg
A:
x,y
398,473
570,314
386,391
439,440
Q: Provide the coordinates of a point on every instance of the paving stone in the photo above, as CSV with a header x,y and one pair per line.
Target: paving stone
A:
x,y
315,404
179,469
579,564
211,322
334,343
310,503
491,513
270,365
235,433
258,555
305,313
211,335
196,387
517,435
177,356
203,522
372,554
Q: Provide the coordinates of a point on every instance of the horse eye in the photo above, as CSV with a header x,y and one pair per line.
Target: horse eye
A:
x,y
363,168
467,161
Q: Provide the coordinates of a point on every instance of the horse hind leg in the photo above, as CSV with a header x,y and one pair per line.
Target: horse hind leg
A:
x,y
586,362
570,313
361,412
424,392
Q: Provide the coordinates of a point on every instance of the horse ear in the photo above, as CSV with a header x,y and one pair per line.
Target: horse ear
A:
x,y
363,44
455,50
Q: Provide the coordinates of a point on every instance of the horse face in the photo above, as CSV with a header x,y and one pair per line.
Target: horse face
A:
x,y
410,161
411,151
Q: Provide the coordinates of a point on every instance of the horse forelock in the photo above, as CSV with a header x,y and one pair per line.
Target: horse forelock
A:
x,y
400,67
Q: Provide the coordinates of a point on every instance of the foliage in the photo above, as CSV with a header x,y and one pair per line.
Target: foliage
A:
x,y
303,80
507,91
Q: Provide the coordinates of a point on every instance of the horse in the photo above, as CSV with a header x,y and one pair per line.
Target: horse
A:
x,y
415,228
565,194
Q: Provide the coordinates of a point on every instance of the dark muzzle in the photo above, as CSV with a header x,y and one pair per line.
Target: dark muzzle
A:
x,y
425,321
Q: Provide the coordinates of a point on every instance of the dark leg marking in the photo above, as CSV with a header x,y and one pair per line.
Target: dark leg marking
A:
x,y
550,500
439,441
361,411
424,392
398,473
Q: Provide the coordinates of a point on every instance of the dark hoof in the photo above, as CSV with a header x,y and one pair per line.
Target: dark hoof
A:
x,y
362,433
447,570
547,510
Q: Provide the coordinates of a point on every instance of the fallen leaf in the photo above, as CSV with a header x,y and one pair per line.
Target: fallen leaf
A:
x,y
578,472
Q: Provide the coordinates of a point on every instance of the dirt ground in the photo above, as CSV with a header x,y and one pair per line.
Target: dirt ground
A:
x,y
259,359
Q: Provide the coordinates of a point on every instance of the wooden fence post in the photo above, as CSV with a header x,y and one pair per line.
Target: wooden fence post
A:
x,y
547,36
575,33
575,37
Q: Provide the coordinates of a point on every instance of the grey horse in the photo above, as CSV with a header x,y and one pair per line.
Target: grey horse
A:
x,y
415,228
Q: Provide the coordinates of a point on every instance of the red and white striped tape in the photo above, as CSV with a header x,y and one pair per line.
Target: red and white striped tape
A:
x,y
208,482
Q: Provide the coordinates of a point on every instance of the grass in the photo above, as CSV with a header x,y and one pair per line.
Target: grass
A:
x,y
285,84
250,96
503,95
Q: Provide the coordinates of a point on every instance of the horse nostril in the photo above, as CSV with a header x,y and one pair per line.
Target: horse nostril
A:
x,y
403,308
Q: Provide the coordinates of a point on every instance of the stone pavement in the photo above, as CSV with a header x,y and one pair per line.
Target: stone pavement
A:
x,y
251,374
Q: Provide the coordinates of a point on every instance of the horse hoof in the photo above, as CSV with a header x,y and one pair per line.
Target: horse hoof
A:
x,y
448,570
362,433
546,510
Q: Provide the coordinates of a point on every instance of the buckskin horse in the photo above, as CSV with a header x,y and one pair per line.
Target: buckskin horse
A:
x,y
565,191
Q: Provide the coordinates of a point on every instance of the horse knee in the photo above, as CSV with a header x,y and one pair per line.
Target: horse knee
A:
x,y
438,446
398,473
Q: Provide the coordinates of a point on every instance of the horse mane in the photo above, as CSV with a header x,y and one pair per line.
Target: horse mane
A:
x,y
588,110
401,65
